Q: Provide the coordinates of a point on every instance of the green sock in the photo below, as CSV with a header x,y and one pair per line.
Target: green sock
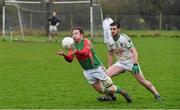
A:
x,y
122,92
118,89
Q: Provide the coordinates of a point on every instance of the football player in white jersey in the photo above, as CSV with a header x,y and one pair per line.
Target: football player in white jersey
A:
x,y
106,29
127,58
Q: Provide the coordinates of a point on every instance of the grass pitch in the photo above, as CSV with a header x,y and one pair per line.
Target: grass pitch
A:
x,y
33,76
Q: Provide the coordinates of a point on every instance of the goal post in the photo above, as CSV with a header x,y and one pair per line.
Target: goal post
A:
x,y
91,20
32,15
3,20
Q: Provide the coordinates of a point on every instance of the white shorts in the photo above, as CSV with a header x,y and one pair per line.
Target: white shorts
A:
x,y
95,74
52,28
126,65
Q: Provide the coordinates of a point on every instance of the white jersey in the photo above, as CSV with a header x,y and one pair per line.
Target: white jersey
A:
x,y
106,23
121,48
106,27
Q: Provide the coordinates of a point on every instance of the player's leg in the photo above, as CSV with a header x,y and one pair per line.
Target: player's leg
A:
x,y
98,87
108,96
110,89
50,36
55,34
147,84
101,89
93,77
50,33
115,70
95,82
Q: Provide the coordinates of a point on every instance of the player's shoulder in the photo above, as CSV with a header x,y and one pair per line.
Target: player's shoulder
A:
x,y
124,36
87,41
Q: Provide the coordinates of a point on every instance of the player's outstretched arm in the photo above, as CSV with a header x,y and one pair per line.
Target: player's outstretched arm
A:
x,y
68,58
60,52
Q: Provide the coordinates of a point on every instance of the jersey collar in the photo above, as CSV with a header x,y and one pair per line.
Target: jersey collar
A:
x,y
117,37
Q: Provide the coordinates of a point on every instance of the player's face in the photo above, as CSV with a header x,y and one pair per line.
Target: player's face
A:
x,y
77,36
114,31
54,13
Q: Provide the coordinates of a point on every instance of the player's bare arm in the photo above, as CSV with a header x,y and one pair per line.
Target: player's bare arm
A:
x,y
135,54
69,57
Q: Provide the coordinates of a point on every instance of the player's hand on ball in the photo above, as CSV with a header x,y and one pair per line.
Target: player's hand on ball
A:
x,y
135,68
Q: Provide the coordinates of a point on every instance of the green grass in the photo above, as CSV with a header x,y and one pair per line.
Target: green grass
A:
x,y
98,35
33,76
152,32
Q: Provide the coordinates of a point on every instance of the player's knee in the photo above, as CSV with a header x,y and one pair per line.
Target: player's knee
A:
x,y
107,83
105,90
108,86
111,89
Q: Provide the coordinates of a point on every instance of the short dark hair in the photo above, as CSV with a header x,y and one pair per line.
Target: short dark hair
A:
x,y
78,28
116,24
